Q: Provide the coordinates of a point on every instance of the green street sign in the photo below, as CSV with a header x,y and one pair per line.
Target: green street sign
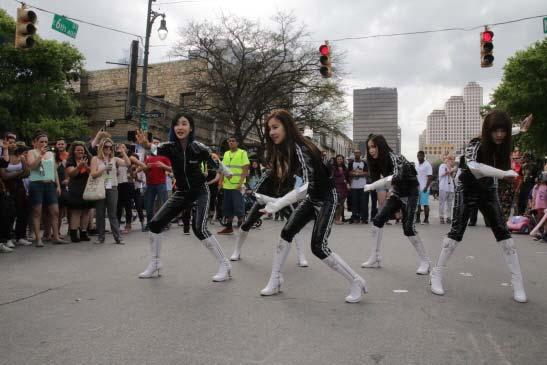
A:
x,y
144,123
65,26
545,25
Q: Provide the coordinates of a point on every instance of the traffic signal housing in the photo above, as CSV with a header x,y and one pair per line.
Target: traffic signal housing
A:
x,y
25,28
326,66
487,48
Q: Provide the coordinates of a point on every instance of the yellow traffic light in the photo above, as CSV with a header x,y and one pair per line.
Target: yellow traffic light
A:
x,y
25,28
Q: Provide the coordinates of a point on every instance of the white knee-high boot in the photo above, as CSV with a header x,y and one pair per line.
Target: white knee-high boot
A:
x,y
512,260
358,286
224,269
375,259
276,278
241,237
436,278
155,264
425,263
302,262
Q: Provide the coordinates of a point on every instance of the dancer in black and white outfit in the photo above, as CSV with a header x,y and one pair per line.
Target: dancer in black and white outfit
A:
x,y
487,160
390,170
186,157
288,152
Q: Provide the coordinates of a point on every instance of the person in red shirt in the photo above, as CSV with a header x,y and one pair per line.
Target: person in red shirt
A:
x,y
156,167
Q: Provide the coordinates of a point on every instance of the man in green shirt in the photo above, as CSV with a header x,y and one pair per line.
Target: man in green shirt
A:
x,y
233,204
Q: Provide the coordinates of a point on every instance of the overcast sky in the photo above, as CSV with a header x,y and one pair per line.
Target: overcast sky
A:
x,y
426,69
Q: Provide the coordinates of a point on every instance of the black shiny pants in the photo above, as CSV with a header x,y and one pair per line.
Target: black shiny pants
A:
x,y
407,204
179,201
322,212
487,201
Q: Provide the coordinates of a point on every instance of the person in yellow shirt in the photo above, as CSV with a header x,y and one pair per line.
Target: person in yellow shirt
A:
x,y
233,204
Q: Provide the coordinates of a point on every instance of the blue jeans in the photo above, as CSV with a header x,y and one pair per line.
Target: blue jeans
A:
x,y
153,191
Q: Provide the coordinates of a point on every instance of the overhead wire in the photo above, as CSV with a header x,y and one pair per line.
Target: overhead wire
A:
x,y
79,20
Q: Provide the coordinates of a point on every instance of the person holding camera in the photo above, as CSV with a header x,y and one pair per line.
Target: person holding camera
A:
x,y
13,175
77,170
105,163
44,187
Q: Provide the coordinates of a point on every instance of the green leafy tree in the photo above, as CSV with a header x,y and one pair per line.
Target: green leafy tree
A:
x,y
523,90
34,86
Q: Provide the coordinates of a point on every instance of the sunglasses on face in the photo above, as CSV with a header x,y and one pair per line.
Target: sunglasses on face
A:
x,y
107,147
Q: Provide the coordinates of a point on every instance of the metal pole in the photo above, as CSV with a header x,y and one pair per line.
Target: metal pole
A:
x,y
143,119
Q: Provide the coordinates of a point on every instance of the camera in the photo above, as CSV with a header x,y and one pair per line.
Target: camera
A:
x,y
109,123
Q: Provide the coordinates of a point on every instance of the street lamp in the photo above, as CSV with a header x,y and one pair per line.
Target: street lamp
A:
x,y
151,16
162,30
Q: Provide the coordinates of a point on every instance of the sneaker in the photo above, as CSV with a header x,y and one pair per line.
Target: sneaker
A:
x,y
441,219
145,228
426,221
226,231
4,248
186,230
39,243
99,241
60,242
119,241
10,244
23,242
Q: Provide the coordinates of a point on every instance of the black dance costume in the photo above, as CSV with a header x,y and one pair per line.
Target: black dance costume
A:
x,y
318,205
477,188
404,196
191,190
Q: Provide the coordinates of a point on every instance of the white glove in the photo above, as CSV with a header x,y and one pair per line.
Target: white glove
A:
x,y
384,183
480,170
264,199
224,170
291,197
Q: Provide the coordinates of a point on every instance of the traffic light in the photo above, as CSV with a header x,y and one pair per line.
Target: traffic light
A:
x,y
487,57
25,28
326,66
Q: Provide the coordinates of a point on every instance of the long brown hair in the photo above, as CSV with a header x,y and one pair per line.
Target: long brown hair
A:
x,y
498,156
282,156
382,164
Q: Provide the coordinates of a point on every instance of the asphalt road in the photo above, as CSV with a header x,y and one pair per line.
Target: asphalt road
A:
x,y
83,304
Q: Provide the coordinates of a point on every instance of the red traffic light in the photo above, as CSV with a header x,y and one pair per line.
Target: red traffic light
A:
x,y
324,50
487,36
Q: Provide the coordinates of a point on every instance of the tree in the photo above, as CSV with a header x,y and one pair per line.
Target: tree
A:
x,y
523,90
34,91
244,71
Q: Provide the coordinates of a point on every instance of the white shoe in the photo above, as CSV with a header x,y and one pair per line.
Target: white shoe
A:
x,y
375,259
274,285
436,277
10,244
4,248
155,264
512,261
302,262
225,268
436,281
425,263
358,285
241,237
224,272
276,277
23,242
153,267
